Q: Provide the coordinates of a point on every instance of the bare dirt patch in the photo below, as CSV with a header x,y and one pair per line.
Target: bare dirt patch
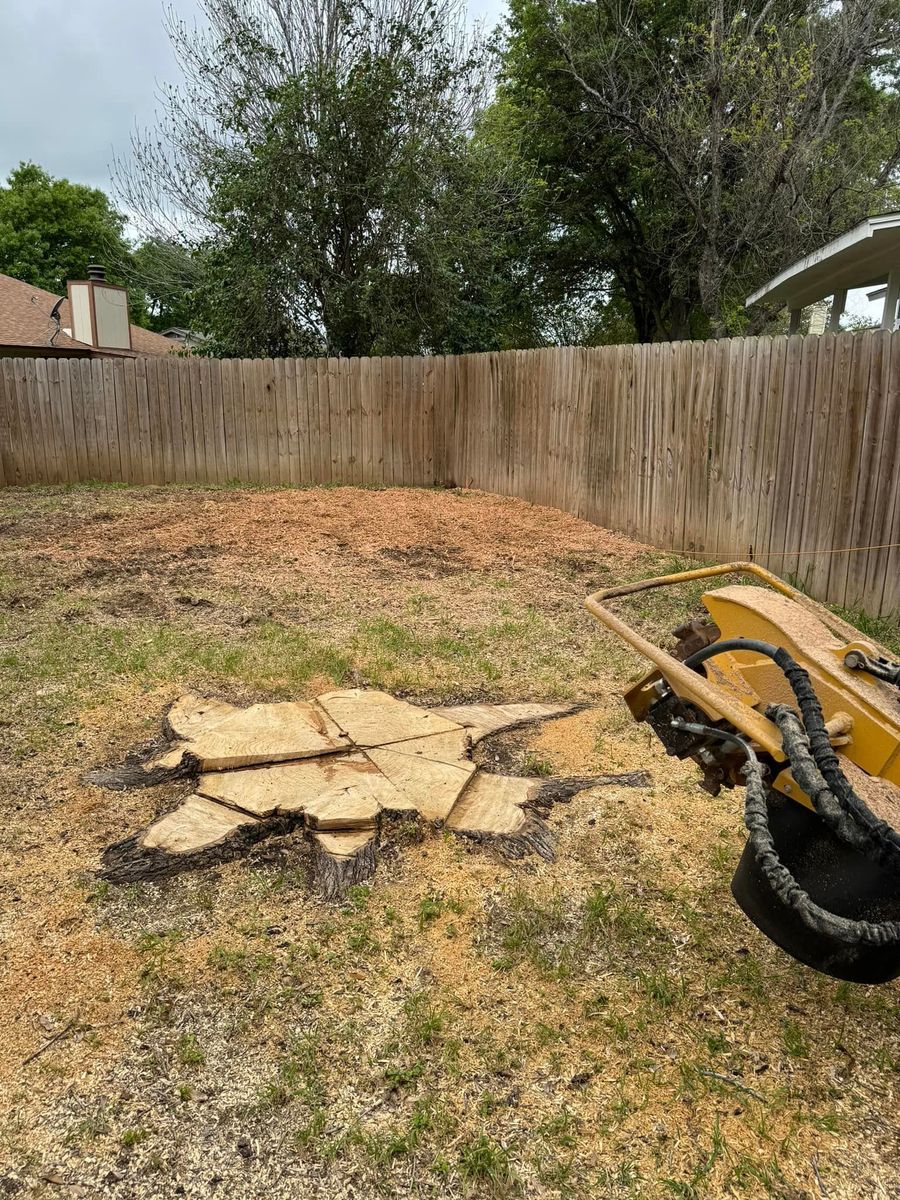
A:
x,y
296,526
605,1024
428,561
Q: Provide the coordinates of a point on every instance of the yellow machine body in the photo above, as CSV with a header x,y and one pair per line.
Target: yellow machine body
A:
x,y
820,881
862,712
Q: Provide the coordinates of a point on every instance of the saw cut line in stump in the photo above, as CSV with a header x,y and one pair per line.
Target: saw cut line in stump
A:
x,y
340,770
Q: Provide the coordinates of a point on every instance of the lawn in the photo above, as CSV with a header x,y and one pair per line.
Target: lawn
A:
x,y
606,1024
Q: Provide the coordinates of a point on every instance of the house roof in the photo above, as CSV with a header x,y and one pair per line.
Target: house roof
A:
x,y
25,321
861,258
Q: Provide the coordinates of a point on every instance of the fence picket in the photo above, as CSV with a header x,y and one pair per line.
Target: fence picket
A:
x,y
886,577
782,446
843,452
43,454
10,435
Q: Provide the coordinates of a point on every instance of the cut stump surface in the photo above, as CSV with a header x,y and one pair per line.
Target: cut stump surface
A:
x,y
336,768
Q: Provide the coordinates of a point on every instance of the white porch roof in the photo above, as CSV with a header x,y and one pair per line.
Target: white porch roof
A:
x,y
864,257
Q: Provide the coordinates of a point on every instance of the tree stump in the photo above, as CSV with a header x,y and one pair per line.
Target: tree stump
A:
x,y
336,768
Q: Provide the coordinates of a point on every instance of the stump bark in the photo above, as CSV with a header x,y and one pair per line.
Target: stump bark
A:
x,y
336,767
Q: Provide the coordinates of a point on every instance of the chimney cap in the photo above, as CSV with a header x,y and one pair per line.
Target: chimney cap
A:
x,y
97,271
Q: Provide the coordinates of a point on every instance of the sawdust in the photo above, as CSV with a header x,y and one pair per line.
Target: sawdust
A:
x,y
582,743
290,530
57,971
586,1070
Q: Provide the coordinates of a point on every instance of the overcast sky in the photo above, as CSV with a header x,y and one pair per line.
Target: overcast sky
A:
x,y
76,76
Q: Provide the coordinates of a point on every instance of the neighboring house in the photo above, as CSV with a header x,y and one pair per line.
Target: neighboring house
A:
x,y
867,256
184,337
36,324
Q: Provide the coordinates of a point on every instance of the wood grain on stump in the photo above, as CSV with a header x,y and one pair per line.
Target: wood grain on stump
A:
x,y
196,824
334,767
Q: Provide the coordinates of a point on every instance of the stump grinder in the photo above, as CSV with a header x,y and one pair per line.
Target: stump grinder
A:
x,y
776,694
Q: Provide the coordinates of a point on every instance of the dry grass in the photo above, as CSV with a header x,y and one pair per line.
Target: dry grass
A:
x,y
604,1025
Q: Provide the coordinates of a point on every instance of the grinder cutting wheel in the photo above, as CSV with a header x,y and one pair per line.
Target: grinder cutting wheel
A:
x,y
777,694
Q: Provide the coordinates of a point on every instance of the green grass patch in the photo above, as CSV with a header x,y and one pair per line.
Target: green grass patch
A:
x,y
484,1164
561,938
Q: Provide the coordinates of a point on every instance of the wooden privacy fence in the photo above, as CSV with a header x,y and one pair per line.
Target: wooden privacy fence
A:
x,y
784,449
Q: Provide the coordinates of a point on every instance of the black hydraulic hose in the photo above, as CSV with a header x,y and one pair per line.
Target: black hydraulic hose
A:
x,y
780,879
882,840
885,839
806,772
700,656
786,887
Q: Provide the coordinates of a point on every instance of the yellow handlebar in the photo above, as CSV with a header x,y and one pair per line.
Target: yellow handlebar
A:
x,y
736,568
689,685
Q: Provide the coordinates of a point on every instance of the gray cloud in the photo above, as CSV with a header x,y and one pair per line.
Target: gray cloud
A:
x,y
74,79
77,75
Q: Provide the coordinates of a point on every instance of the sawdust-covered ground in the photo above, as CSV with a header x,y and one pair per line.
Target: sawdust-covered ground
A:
x,y
604,1025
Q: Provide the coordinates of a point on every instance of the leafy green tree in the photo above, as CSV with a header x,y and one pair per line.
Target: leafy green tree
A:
x,y
692,148
597,273
50,229
320,160
166,274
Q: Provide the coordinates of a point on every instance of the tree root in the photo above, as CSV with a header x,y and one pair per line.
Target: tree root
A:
x,y
533,837
134,773
561,791
129,861
334,874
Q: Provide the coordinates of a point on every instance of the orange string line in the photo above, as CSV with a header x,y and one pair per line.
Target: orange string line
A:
x,y
757,554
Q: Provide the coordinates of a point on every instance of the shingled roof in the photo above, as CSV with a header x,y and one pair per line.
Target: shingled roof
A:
x,y
25,321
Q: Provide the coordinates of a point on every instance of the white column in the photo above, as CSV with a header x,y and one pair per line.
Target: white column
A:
x,y
838,304
889,315
818,315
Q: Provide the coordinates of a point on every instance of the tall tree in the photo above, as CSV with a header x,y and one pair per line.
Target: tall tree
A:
x,y
601,274
50,229
166,274
707,142
318,157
